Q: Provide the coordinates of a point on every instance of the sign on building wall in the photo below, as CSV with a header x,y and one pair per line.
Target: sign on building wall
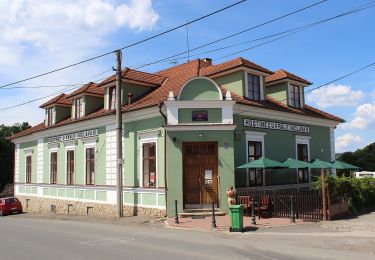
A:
x,y
74,136
275,126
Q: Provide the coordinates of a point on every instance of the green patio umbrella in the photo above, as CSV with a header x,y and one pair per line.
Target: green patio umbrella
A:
x,y
343,165
295,164
262,163
319,164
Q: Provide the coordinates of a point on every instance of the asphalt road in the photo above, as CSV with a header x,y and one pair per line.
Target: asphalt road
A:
x,y
33,238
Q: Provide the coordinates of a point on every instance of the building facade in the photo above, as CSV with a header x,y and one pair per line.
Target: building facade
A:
x,y
185,131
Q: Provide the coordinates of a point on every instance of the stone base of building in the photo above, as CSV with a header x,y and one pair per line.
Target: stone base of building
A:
x,y
69,207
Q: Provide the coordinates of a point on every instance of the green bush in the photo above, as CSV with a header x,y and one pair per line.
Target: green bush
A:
x,y
361,191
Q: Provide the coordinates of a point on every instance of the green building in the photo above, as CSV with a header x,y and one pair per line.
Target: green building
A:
x,y
186,129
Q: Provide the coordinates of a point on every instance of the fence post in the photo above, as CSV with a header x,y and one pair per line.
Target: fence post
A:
x,y
324,195
176,221
253,222
292,213
213,222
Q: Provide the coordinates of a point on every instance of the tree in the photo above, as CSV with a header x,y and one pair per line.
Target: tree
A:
x,y
7,151
363,158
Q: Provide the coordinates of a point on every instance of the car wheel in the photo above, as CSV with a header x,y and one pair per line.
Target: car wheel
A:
x,y
20,211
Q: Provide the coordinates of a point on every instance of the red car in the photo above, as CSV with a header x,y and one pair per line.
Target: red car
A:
x,y
10,205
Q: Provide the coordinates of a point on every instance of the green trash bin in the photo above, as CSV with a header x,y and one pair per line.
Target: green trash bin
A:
x,y
236,218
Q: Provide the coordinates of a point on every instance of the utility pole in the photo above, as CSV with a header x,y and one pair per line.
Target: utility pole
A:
x,y
120,160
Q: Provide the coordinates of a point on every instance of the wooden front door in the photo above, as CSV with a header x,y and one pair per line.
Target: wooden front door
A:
x,y
200,174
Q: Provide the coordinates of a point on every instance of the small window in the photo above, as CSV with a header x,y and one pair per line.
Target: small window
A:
x,y
90,166
78,107
253,84
112,98
70,167
294,96
50,116
149,164
53,168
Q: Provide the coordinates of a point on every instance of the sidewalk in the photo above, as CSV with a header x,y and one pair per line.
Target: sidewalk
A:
x,y
223,223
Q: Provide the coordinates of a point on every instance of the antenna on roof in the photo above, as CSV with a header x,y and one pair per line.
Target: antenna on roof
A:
x,y
187,42
174,62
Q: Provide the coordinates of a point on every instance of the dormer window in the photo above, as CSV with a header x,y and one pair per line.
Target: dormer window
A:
x,y
112,98
253,87
78,107
49,116
294,96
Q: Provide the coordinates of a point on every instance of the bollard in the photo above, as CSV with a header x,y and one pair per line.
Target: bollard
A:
x,y
213,222
176,221
292,213
253,222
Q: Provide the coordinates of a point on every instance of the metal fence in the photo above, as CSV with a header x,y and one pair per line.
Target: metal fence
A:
x,y
307,202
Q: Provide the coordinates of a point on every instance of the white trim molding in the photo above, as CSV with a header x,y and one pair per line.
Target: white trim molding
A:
x,y
39,165
17,163
217,127
111,155
225,105
220,97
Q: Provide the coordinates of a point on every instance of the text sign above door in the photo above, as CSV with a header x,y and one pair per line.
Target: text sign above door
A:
x,y
276,126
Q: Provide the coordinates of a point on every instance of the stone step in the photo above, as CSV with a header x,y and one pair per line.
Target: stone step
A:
x,y
199,213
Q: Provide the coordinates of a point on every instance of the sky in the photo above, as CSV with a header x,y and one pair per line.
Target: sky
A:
x,y
38,36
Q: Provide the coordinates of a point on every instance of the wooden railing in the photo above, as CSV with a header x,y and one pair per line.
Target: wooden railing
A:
x,y
307,202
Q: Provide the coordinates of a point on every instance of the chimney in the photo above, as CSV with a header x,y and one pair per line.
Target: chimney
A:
x,y
207,60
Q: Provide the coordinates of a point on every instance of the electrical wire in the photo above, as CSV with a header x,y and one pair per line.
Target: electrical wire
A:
x,y
127,46
233,35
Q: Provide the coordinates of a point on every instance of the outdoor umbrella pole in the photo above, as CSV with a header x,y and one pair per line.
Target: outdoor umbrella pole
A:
x,y
324,194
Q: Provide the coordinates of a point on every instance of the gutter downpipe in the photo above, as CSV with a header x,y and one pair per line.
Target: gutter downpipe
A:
x,y
160,105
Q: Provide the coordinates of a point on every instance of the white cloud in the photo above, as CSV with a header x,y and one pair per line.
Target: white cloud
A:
x,y
363,116
37,36
60,25
347,141
335,96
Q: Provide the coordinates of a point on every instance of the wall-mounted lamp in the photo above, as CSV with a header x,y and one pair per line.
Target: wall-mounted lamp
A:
x,y
174,139
200,136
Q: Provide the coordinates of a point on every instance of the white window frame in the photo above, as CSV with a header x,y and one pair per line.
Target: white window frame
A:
x,y
301,100
254,137
52,150
81,114
302,139
144,138
89,144
29,153
247,84
70,147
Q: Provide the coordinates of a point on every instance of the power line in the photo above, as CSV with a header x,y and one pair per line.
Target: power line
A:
x,y
299,29
127,46
69,88
233,35
62,85
290,31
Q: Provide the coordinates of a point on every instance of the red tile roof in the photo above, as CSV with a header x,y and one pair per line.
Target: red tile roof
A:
x,y
232,64
283,74
138,76
87,89
172,79
59,100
